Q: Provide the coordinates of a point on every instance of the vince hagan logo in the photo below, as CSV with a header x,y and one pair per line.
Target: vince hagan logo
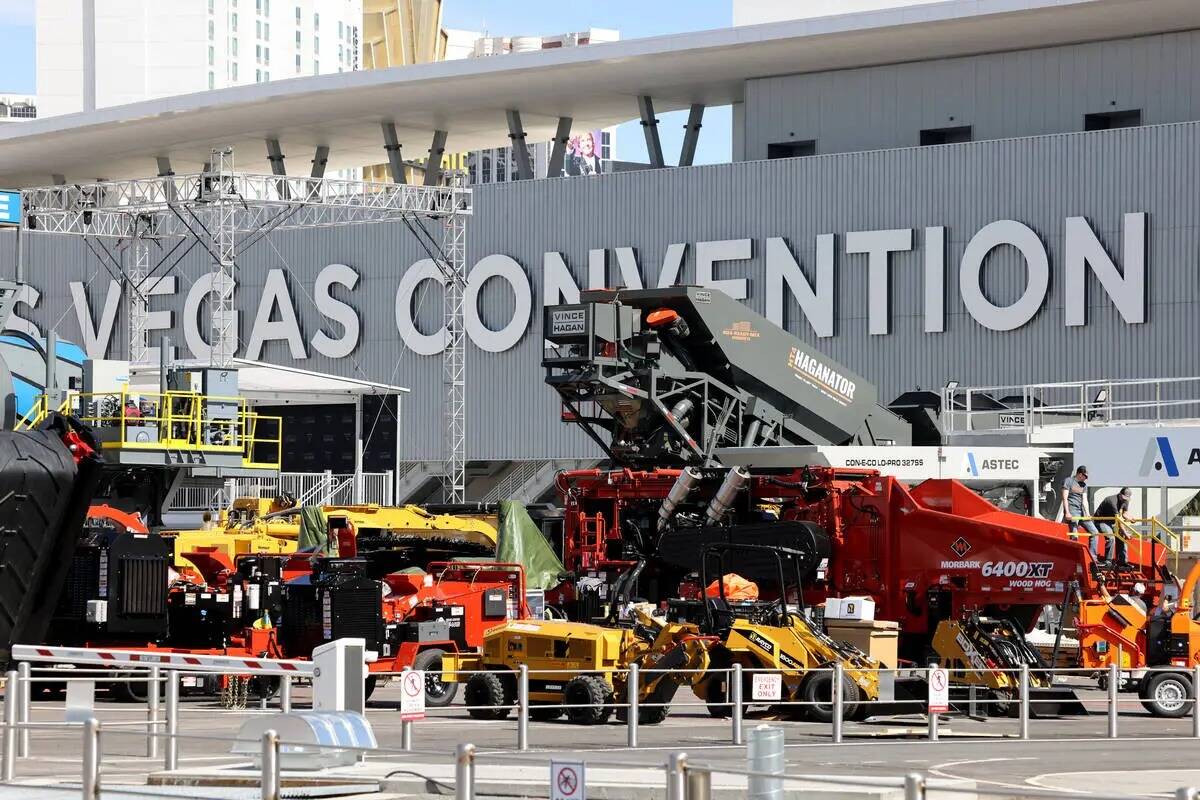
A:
x,y
822,376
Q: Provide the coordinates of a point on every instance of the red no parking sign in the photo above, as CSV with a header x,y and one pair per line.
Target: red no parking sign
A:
x,y
567,781
412,695
939,690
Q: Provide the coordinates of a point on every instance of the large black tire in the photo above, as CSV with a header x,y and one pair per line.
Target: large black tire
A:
x,y
44,499
1167,694
591,698
488,695
647,715
816,690
369,687
264,687
438,693
545,713
129,691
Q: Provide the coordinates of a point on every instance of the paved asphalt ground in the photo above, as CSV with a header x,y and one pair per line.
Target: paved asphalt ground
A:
x,y
1154,756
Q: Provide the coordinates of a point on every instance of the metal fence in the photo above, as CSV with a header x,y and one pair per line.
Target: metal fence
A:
x,y
682,778
313,488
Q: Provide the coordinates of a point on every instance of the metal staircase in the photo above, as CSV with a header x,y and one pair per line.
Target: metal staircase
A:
x,y
529,480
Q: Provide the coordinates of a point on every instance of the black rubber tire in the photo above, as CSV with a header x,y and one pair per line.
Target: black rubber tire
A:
x,y
1167,694
716,694
592,698
816,691
653,716
545,713
489,691
438,693
369,687
263,687
44,499
129,691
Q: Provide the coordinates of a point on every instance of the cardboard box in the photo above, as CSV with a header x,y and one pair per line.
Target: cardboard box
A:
x,y
856,608
877,638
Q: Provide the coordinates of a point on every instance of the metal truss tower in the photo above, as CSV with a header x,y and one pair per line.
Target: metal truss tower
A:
x,y
136,273
227,212
454,359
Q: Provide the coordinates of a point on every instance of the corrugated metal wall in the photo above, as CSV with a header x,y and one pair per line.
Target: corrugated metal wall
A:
x,y
1002,95
1039,181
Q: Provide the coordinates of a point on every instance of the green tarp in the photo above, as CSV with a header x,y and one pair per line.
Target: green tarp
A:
x,y
314,531
520,541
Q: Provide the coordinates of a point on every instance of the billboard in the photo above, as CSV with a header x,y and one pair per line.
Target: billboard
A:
x,y
1140,456
585,154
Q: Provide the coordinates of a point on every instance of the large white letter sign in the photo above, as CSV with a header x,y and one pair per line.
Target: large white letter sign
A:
x,y
985,312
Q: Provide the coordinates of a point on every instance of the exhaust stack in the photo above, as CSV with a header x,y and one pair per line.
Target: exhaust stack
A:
x,y
684,484
723,499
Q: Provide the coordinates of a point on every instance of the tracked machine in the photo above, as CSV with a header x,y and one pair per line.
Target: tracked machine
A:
x,y
708,413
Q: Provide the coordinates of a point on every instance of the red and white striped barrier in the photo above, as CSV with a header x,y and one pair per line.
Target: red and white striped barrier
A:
x,y
159,658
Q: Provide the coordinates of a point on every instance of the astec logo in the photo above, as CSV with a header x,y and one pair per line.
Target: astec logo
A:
x,y
1160,457
971,466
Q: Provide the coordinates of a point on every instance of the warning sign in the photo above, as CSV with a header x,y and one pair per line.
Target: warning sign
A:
x,y
412,695
567,781
766,686
939,690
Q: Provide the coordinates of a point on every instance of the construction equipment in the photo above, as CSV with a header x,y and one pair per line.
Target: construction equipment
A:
x,y
775,635
661,376
697,400
580,669
254,525
1151,634
984,651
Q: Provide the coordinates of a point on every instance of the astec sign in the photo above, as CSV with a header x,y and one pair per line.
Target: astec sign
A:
x,y
1140,456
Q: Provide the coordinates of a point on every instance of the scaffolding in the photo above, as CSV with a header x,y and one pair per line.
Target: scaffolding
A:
x,y
228,212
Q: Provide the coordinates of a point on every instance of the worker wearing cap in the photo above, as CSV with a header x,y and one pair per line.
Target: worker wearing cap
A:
x,y
1111,509
1074,500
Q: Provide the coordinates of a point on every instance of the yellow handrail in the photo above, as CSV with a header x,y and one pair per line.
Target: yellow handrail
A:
x,y
173,420
1129,529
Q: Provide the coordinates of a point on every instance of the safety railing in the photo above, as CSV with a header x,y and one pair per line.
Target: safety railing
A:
x,y
1129,530
683,779
1026,408
175,421
319,488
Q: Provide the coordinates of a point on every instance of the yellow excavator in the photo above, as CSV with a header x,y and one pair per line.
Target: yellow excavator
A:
x,y
273,526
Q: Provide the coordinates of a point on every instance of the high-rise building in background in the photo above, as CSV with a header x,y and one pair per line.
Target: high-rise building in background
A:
x,y
753,12
15,107
95,53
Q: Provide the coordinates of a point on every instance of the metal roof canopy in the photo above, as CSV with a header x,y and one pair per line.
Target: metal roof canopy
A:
x,y
596,85
275,384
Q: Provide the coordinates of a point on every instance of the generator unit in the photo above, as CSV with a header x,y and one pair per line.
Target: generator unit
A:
x,y
338,600
116,586
208,615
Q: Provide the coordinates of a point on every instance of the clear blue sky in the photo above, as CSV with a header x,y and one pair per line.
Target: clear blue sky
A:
x,y
633,18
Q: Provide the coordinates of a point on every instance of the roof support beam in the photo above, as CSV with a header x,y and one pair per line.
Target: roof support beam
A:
x,y
433,167
320,159
275,156
516,134
691,134
165,171
391,143
650,128
558,151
